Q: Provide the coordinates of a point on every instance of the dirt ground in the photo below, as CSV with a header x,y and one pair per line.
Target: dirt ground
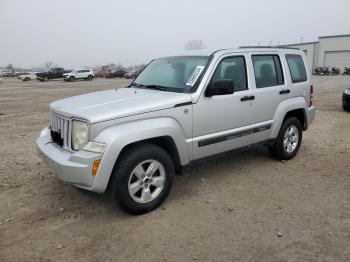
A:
x,y
241,206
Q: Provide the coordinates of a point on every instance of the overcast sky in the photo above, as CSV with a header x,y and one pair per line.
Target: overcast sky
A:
x,y
85,32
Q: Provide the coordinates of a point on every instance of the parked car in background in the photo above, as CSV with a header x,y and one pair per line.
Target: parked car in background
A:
x,y
133,140
346,71
86,74
27,77
7,73
53,73
346,99
100,74
118,73
132,74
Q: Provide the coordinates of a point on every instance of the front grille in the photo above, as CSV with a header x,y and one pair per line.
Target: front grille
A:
x,y
60,130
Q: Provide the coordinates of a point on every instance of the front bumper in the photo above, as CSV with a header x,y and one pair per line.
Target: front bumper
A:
x,y
71,167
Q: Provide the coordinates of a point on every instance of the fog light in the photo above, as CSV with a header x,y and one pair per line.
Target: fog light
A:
x,y
95,166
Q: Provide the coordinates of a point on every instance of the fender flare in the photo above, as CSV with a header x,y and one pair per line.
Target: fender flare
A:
x,y
119,136
285,107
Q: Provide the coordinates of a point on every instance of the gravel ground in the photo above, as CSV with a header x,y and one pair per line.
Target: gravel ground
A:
x,y
242,206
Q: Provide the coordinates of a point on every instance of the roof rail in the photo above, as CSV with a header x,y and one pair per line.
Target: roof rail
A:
x,y
280,47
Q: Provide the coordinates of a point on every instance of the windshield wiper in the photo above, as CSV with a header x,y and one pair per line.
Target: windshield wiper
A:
x,y
156,87
137,85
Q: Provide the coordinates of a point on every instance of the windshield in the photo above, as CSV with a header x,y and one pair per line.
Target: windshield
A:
x,y
174,74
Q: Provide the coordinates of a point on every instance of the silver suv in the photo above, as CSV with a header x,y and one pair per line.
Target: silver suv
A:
x,y
179,109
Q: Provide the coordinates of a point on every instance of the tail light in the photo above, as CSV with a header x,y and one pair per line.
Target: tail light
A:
x,y
311,95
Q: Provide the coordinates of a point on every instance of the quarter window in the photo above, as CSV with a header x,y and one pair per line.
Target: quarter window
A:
x,y
267,70
296,68
232,68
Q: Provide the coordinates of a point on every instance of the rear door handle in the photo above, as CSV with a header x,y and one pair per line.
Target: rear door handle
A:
x,y
284,91
247,98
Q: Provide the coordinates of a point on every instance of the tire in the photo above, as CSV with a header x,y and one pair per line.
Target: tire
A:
x,y
46,79
71,78
90,77
27,79
285,147
132,169
346,108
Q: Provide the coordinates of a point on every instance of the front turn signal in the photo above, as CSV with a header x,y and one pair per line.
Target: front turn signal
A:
x,y
95,166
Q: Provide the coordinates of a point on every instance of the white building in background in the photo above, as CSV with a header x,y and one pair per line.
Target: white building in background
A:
x,y
328,51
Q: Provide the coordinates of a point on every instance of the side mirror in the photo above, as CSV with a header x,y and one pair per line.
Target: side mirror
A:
x,y
220,87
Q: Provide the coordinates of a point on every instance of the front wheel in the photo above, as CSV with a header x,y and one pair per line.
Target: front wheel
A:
x,y
71,79
90,77
288,141
142,179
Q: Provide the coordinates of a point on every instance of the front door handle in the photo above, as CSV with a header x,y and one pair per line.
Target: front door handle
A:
x,y
247,98
284,91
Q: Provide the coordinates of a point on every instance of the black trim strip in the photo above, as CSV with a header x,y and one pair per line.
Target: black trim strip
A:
x,y
233,135
183,104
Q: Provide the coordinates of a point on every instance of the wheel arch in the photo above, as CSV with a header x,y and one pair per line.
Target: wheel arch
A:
x,y
292,107
163,132
300,114
165,142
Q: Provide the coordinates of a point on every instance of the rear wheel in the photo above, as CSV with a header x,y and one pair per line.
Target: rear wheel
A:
x,y
46,79
346,108
89,77
288,141
27,79
142,179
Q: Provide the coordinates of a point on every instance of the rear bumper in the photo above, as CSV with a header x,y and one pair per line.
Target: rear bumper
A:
x,y
311,111
71,167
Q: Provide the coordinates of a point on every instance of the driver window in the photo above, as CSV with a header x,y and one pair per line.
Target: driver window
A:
x,y
232,68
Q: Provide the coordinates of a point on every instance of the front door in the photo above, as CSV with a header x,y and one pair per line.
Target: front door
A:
x,y
221,123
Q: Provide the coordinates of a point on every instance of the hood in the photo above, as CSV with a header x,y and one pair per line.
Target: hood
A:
x,y
111,104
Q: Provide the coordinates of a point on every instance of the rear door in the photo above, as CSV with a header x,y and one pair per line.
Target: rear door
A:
x,y
270,89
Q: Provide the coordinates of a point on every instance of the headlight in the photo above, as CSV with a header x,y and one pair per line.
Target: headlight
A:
x,y
80,134
347,91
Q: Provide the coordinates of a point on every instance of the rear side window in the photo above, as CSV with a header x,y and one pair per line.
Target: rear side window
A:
x,y
296,68
267,70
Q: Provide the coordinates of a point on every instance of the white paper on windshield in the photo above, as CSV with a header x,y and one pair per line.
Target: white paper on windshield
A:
x,y
194,76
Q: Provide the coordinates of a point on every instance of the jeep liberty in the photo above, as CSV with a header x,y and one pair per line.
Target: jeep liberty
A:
x,y
133,140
